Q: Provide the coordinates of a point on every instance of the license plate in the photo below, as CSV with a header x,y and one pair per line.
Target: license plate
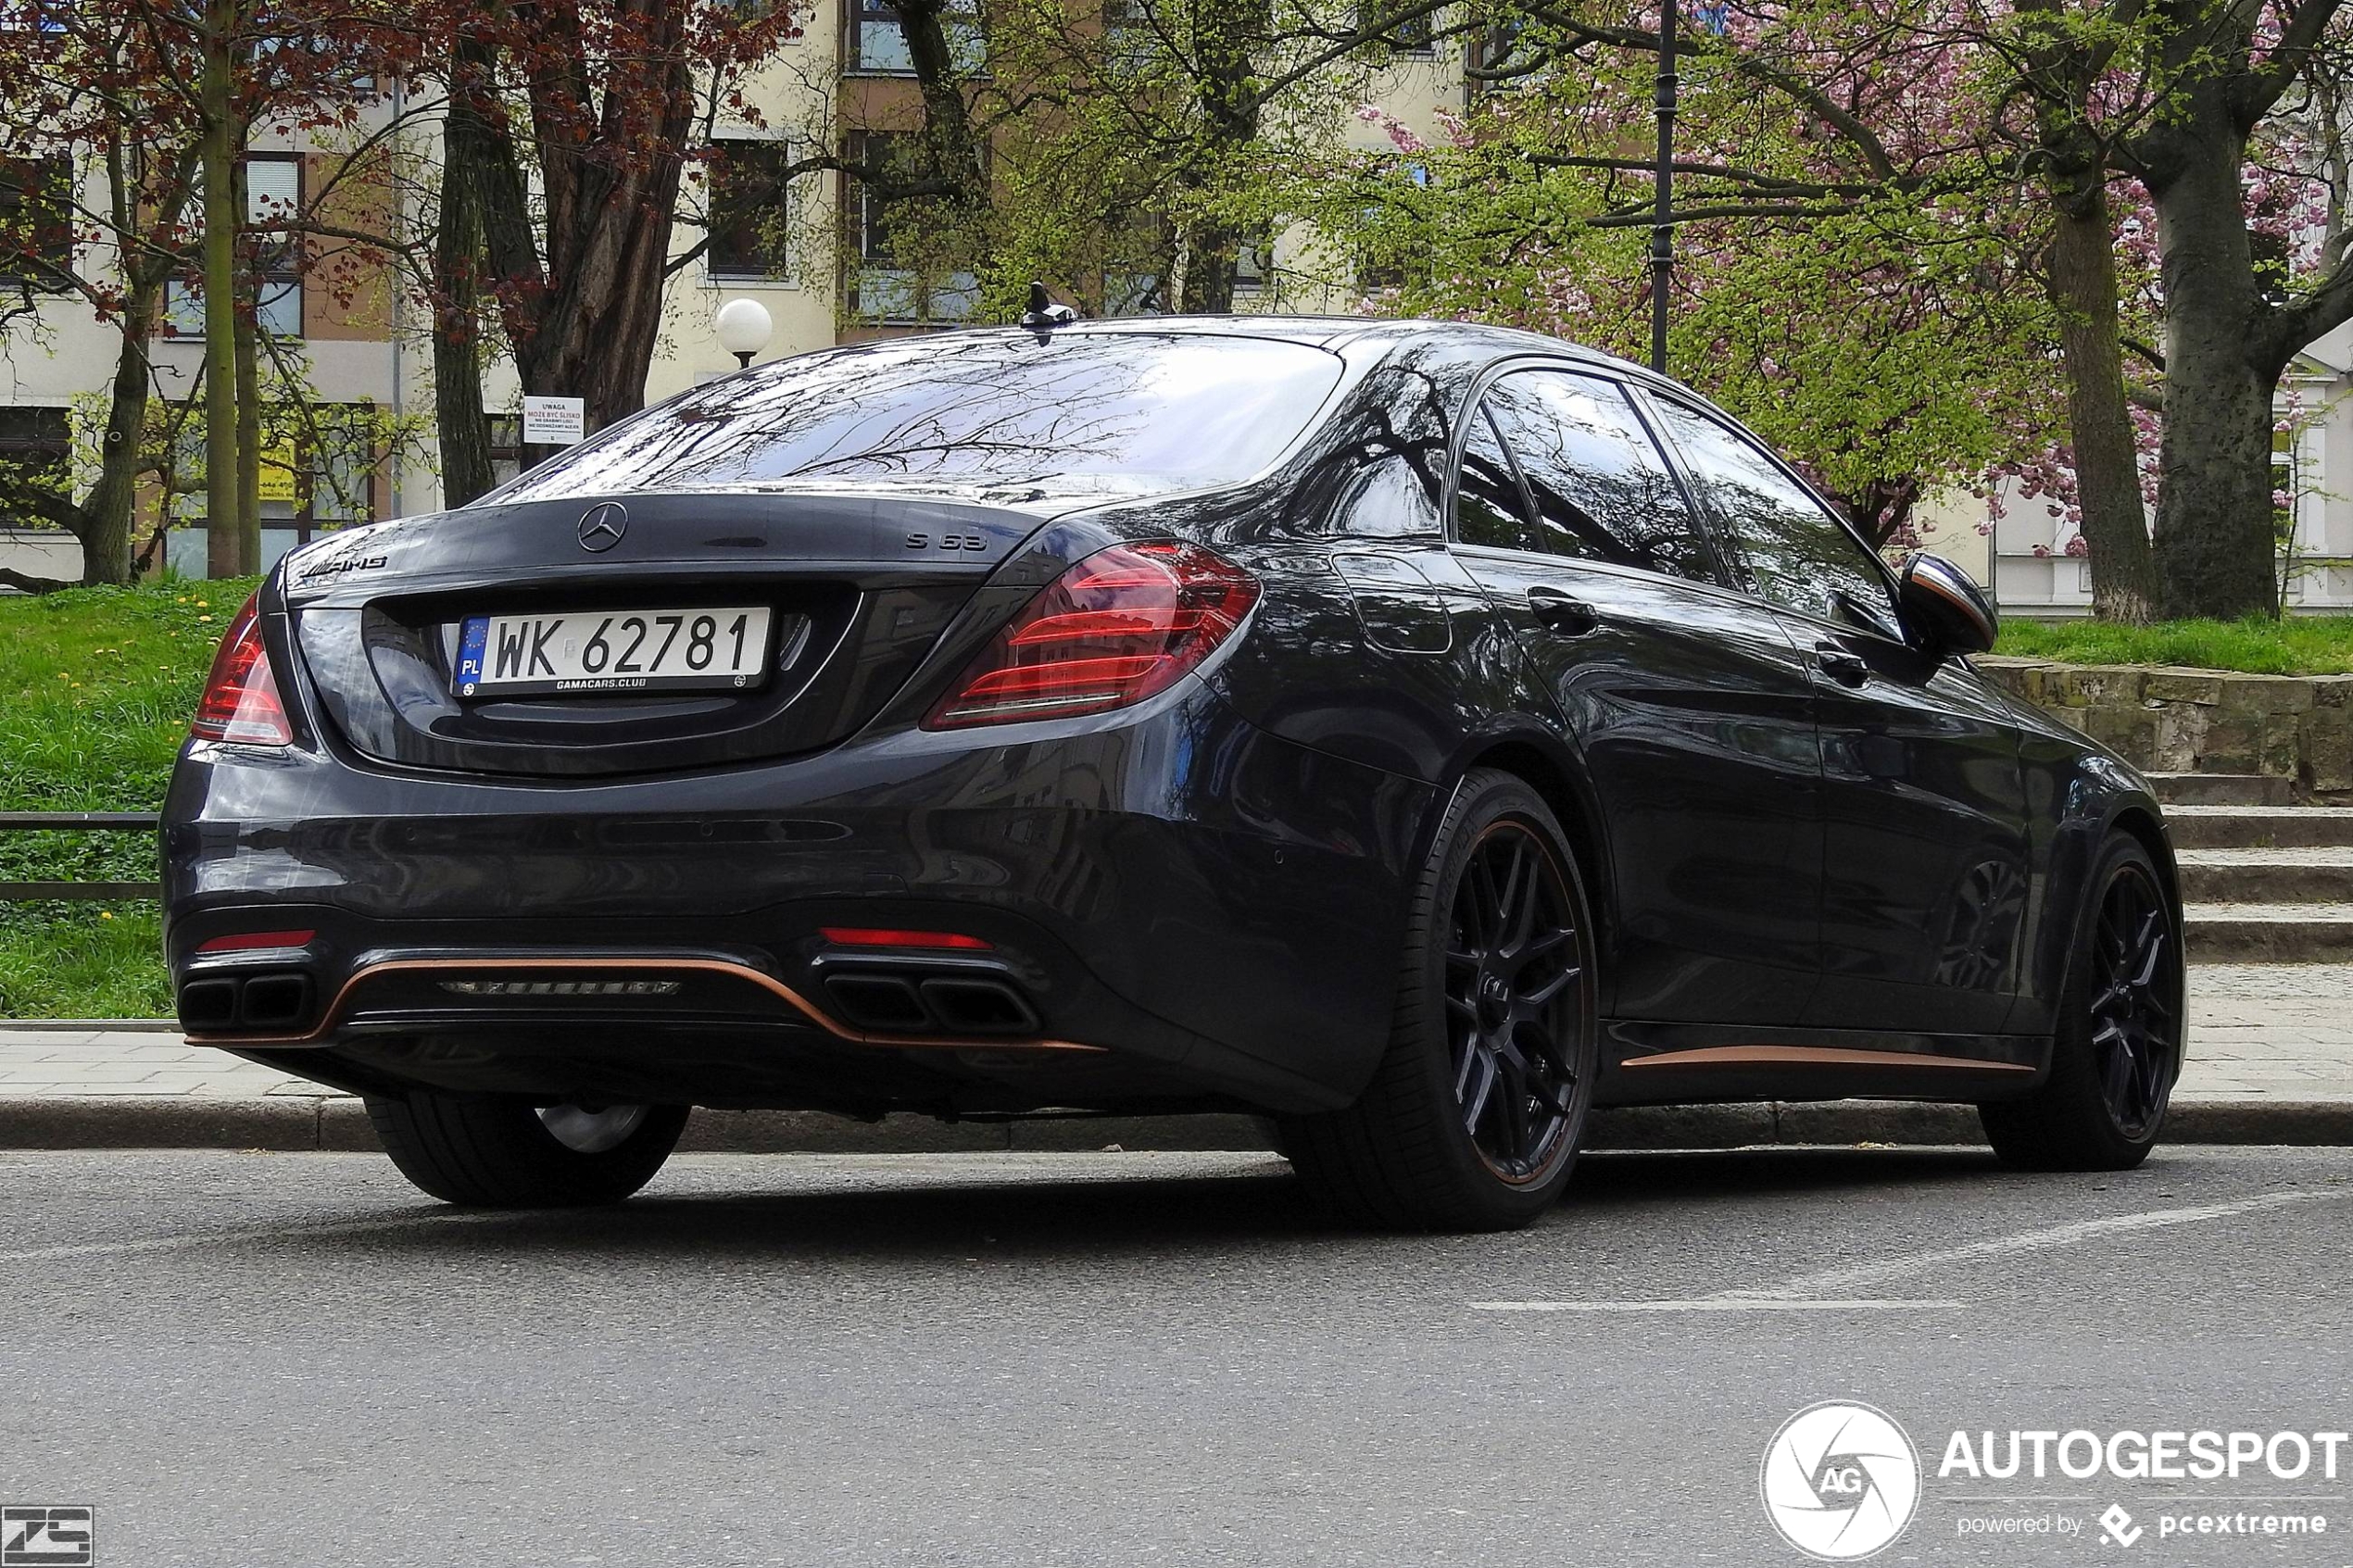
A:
x,y
613,650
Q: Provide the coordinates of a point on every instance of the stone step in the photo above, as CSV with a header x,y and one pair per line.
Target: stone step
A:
x,y
2222,789
2258,827
2308,875
2269,933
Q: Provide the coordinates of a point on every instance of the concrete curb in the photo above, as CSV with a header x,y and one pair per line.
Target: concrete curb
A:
x,y
300,1122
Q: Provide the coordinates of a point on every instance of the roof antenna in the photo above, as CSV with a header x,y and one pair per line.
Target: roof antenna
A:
x,y
1043,314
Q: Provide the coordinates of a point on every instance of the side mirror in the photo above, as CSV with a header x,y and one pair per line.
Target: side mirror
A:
x,y
1941,600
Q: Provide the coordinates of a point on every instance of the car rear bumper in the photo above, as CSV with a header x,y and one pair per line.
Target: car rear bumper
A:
x,y
1175,906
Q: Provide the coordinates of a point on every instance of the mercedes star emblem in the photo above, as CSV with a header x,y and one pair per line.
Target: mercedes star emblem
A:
x,y
602,525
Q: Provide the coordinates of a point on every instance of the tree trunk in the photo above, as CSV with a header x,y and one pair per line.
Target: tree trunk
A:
x,y
2107,470
106,539
1225,33
950,151
224,552
248,391
1212,257
591,331
463,423
2217,551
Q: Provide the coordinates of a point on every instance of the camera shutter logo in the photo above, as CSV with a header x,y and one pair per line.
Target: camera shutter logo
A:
x,y
46,1536
1841,1481
602,525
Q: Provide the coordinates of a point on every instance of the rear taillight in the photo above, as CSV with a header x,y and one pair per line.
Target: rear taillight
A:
x,y
895,937
1121,624
240,700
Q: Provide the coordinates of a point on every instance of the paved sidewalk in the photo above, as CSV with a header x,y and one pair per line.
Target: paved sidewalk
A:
x,y
2271,1060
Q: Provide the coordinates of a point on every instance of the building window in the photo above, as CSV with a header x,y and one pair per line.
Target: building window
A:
x,y
35,445
1134,33
317,466
749,211
886,284
1492,49
36,225
342,466
1133,294
1410,35
877,42
273,199
1254,261
506,446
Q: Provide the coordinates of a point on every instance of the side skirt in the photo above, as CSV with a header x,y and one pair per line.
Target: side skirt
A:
x,y
1645,1063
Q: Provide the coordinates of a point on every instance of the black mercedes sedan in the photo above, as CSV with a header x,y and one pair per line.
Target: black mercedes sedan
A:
x,y
1415,733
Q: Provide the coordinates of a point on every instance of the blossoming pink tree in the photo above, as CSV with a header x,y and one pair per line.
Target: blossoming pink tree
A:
x,y
1919,245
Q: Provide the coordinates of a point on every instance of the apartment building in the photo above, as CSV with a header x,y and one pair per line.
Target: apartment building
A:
x,y
338,331
825,273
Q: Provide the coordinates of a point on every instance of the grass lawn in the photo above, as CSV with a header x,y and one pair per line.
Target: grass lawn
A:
x,y
95,688
2300,645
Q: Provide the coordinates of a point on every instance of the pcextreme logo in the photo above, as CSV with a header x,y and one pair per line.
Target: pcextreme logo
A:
x,y
1841,1481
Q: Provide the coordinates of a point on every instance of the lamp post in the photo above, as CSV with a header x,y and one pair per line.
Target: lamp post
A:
x,y
744,327
1663,218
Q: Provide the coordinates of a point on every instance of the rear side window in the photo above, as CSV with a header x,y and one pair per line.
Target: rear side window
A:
x,y
1490,508
1601,490
1798,555
1123,413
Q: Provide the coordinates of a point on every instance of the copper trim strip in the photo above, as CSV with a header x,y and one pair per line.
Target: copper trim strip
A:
x,y
1944,591
1812,1055
712,966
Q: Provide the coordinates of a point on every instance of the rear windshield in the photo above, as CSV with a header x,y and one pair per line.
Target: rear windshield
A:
x,y
1109,412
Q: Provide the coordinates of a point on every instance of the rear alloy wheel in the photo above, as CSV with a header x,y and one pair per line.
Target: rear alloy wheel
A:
x,y
1473,1117
2118,1045
501,1152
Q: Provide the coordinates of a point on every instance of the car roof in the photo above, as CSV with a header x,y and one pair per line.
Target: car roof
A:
x,y
1334,332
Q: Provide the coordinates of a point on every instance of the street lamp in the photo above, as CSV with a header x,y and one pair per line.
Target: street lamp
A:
x,y
1663,217
744,327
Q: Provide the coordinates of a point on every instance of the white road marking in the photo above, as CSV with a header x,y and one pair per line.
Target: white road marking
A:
x,y
2024,1241
1710,1304
1804,1293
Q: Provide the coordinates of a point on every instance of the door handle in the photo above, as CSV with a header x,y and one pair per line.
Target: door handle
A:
x,y
1841,663
1560,613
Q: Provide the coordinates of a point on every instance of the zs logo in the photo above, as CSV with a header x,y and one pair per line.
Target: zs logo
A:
x,y
947,542
46,1538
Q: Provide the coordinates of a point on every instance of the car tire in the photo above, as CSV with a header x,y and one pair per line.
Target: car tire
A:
x,y
501,1152
2117,1047
1473,1116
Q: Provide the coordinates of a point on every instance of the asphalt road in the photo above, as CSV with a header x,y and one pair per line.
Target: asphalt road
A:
x,y
259,1359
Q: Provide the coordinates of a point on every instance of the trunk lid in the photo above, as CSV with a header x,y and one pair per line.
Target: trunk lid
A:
x,y
858,587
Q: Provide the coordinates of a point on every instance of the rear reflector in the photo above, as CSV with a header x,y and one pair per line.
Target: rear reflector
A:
x,y
1121,625
248,941
560,987
240,701
883,937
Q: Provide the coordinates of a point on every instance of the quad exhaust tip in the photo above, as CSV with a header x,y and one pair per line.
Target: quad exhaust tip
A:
x,y
902,1005
273,1000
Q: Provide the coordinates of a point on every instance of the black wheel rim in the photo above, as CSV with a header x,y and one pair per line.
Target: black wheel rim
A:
x,y
1515,1003
2136,1006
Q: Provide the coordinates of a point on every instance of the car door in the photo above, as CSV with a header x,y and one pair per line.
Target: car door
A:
x,y
1925,838
1693,716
